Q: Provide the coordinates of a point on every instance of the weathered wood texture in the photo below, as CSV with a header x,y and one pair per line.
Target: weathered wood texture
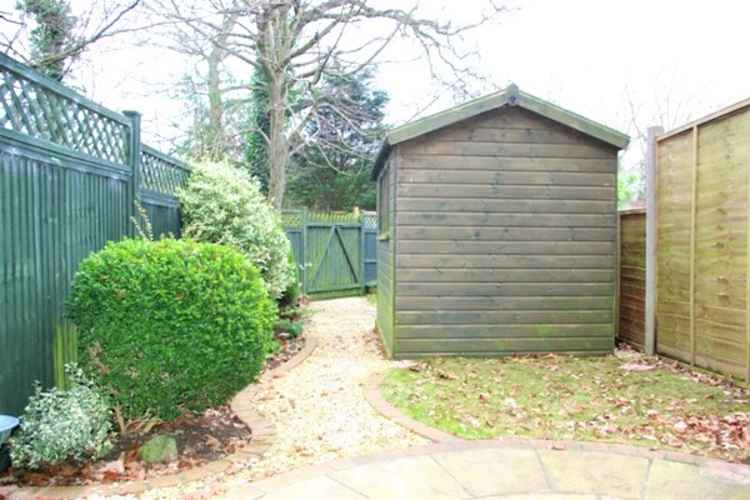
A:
x,y
506,239
631,328
386,254
702,244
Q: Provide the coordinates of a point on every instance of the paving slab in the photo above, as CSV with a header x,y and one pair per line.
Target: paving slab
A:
x,y
674,480
495,472
318,488
403,478
593,472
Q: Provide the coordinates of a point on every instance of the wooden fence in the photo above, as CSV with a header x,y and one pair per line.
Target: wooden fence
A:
x,y
632,279
70,173
336,252
698,217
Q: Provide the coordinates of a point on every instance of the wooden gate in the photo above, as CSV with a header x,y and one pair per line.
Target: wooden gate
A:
x,y
332,251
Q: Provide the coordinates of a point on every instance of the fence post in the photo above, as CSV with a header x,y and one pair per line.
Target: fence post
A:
x,y
134,159
304,218
651,217
362,234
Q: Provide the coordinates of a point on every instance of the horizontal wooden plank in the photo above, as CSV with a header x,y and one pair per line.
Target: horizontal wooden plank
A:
x,y
506,233
461,205
435,303
505,331
483,220
489,261
538,134
443,275
502,317
505,289
505,247
507,191
462,175
450,162
490,346
475,148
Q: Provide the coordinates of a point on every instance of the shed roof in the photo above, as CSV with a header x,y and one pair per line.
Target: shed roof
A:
x,y
510,96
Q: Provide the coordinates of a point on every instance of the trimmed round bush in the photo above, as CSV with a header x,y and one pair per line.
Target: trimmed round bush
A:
x,y
223,204
171,325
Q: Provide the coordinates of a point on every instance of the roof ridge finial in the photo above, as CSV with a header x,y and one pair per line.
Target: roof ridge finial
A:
x,y
513,93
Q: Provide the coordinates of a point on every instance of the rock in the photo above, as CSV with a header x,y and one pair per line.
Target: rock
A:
x,y
159,449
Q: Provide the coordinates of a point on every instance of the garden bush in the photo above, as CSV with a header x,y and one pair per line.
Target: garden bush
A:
x,y
290,327
60,425
223,204
290,298
171,325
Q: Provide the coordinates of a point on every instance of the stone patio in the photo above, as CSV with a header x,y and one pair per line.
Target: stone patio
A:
x,y
490,470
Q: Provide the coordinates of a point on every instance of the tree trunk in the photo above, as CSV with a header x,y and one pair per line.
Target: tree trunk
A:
x,y
278,147
215,147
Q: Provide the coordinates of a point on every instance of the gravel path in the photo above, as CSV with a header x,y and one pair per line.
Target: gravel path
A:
x,y
318,408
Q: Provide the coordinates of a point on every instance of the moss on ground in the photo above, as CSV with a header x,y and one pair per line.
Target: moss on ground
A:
x,y
624,399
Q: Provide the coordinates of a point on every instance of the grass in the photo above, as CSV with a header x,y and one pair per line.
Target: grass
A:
x,y
587,399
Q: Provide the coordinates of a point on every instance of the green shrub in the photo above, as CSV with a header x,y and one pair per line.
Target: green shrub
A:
x,y
171,325
290,298
60,425
222,204
293,328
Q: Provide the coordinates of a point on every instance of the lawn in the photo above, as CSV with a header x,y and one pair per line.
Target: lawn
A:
x,y
624,399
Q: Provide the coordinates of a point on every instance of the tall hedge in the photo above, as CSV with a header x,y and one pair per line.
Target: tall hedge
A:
x,y
171,325
223,204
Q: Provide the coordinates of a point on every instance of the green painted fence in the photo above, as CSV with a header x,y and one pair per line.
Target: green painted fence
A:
x,y
70,172
335,251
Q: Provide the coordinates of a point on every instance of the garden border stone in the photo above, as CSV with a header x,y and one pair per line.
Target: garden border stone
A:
x,y
387,410
263,433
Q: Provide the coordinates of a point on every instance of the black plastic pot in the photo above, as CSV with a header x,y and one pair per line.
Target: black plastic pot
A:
x,y
4,458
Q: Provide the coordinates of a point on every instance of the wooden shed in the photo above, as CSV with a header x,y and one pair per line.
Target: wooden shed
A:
x,y
498,231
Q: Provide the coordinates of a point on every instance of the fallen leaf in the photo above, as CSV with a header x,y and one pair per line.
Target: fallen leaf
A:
x,y
637,367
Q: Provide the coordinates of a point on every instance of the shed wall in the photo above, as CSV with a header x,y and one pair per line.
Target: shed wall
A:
x,y
506,239
386,256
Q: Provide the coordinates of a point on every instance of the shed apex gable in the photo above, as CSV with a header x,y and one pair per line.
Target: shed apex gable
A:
x,y
510,96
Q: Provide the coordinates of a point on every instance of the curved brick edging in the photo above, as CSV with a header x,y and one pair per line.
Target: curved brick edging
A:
x,y
377,401
386,409
263,433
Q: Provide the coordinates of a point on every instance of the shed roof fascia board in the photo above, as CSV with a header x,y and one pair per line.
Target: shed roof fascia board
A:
x,y
447,118
511,96
573,120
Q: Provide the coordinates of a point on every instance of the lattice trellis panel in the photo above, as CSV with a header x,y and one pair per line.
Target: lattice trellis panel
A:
x,y
292,218
333,217
160,175
370,220
42,112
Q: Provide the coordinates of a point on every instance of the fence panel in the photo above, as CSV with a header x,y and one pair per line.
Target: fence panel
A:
x,y
66,189
702,216
632,277
160,178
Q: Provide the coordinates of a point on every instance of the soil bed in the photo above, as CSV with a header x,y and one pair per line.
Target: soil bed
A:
x,y
201,439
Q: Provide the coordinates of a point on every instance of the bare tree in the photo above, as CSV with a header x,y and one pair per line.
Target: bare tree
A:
x,y
48,36
294,42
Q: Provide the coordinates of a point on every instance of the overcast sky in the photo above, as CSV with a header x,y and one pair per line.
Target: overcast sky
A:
x,y
660,61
